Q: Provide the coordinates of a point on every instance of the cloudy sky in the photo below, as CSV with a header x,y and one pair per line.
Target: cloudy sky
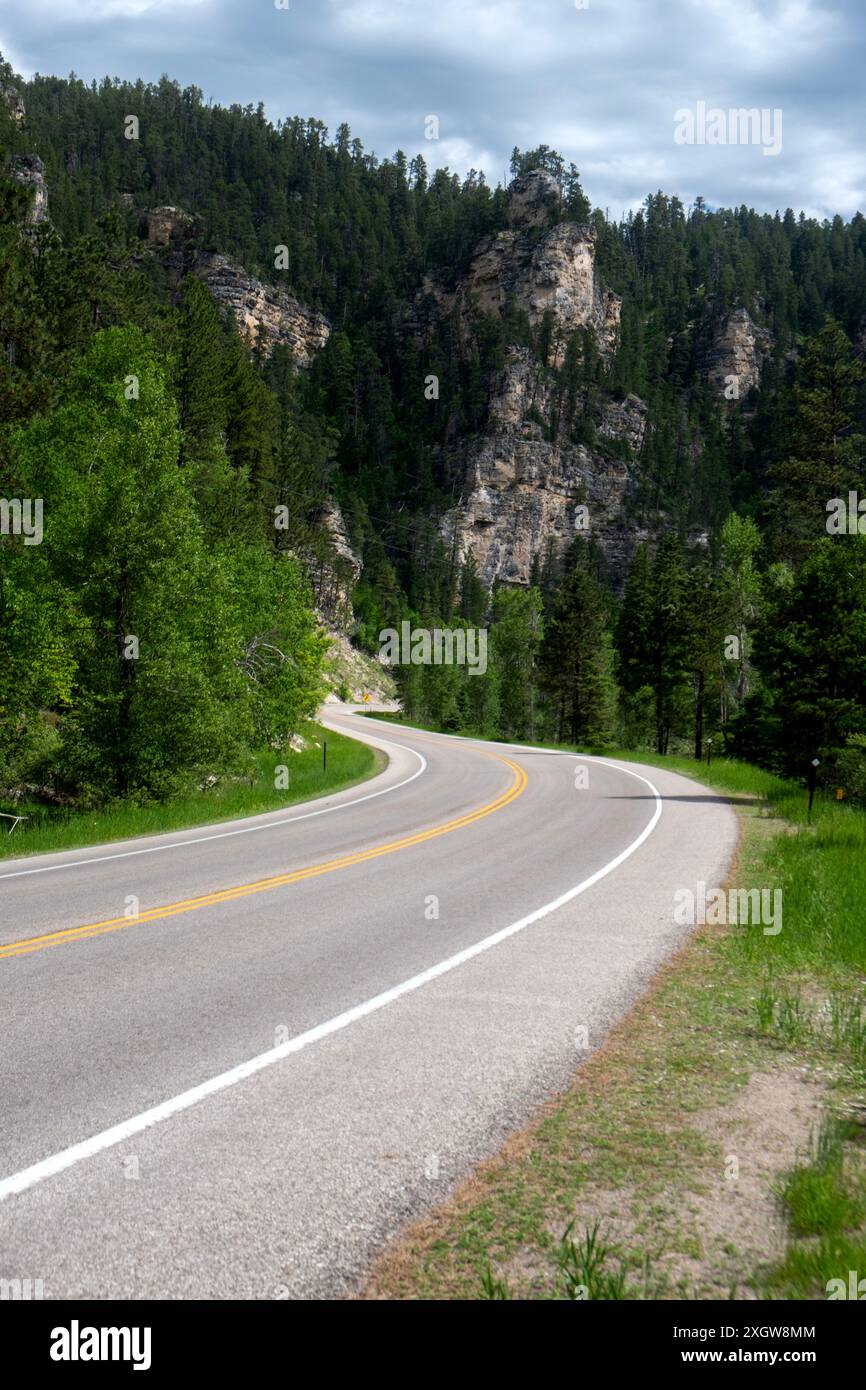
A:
x,y
600,80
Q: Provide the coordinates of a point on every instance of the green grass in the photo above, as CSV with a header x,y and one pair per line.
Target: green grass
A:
x,y
824,1198
809,1267
583,1272
231,798
820,1195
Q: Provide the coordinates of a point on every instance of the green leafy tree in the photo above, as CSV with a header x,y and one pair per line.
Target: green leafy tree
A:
x,y
516,636
164,684
740,582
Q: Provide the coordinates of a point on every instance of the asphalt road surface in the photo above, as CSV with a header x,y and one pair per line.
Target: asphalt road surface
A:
x,y
319,1019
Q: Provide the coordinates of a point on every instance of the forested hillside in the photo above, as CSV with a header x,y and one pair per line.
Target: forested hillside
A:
x,y
164,445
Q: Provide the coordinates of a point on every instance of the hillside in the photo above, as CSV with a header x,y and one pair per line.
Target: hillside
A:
x,y
613,444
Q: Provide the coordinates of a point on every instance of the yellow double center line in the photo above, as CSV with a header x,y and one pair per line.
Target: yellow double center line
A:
x,y
264,885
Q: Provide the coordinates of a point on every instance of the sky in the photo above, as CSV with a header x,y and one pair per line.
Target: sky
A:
x,y
624,88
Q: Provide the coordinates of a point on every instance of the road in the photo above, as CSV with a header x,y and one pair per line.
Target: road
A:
x,y
322,1018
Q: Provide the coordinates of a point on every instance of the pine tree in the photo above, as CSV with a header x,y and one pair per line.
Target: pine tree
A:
x,y
252,427
631,631
704,621
473,595
740,582
200,385
826,457
24,342
810,651
574,657
668,657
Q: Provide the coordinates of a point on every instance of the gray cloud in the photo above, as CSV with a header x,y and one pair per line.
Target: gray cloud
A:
x,y
600,83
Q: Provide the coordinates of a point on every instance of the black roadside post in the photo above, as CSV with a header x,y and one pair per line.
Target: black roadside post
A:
x,y
324,755
709,750
813,777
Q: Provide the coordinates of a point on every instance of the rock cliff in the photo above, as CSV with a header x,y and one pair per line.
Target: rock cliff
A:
x,y
29,170
527,487
14,102
526,494
539,271
265,315
737,354
168,224
334,572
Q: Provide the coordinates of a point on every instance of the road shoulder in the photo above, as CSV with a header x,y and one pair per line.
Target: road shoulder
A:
x,y
711,1148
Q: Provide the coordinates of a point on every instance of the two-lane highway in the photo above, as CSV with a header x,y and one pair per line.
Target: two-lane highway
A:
x,y
236,1059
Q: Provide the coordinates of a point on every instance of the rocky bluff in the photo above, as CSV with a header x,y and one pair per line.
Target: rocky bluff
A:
x,y
538,271
527,490
526,487
266,314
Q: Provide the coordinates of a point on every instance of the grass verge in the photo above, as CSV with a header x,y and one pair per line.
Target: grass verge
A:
x,y
348,762
715,1146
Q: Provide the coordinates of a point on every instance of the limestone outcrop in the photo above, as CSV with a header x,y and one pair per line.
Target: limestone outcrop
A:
x,y
266,315
334,570
28,170
528,486
168,224
14,102
539,270
527,494
737,354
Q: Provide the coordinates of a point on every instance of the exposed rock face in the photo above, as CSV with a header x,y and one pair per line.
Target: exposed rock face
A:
x,y
626,421
540,271
532,198
264,314
168,224
525,493
15,103
529,489
335,575
738,351
29,170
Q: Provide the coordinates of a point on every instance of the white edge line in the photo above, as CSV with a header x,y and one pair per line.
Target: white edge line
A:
x,y
88,1148
242,830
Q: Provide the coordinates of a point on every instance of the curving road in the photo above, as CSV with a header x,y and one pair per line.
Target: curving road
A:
x,y
320,1018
